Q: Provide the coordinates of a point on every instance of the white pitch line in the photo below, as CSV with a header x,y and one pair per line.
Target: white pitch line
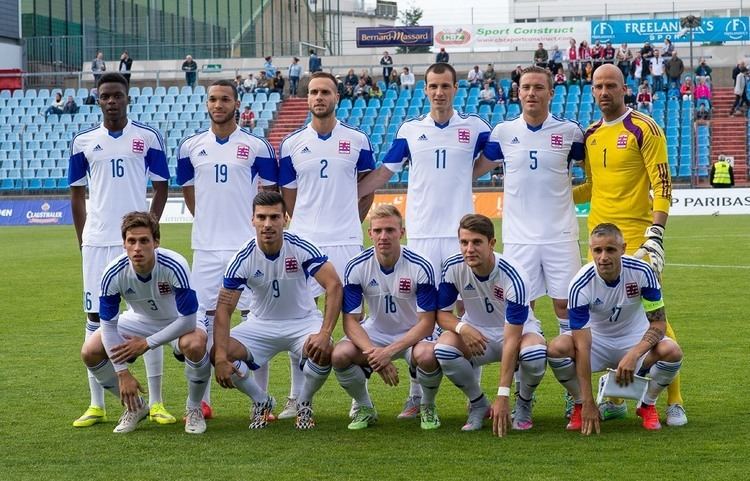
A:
x,y
707,266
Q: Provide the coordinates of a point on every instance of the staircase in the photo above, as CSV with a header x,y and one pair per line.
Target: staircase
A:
x,y
729,134
291,117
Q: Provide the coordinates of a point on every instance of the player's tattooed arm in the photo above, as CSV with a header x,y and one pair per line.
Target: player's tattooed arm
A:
x,y
228,297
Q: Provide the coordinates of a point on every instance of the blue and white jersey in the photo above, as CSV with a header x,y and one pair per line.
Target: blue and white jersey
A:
x,y
489,301
278,283
116,166
538,203
225,173
441,161
394,296
324,169
613,310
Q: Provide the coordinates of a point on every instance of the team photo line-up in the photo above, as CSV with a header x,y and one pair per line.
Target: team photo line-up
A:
x,y
445,302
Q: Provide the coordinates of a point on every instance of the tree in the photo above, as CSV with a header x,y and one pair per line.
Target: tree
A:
x,y
410,18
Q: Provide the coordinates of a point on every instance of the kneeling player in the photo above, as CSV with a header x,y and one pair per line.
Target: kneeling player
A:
x,y
155,284
618,321
399,287
275,265
496,327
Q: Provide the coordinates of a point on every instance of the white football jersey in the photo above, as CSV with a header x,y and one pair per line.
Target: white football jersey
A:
x,y
489,302
538,203
324,169
614,310
278,284
441,161
395,296
116,166
162,296
225,174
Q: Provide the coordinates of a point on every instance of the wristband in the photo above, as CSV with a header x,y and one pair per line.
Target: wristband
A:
x,y
459,326
503,391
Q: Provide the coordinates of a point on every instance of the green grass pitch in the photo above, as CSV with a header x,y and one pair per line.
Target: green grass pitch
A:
x,y
43,388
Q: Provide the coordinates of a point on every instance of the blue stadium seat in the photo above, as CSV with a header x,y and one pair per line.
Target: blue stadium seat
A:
x,y
345,104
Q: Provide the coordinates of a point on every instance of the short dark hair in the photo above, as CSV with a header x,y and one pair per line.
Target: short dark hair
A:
x,y
441,67
112,78
539,70
479,224
607,229
225,83
327,75
269,198
133,220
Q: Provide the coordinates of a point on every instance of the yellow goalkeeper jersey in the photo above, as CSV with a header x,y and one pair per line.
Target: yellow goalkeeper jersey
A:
x,y
625,159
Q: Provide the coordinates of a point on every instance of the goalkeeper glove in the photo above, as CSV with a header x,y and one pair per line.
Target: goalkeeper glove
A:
x,y
654,247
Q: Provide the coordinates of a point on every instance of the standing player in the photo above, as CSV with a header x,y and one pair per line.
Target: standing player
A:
x,y
155,284
626,157
116,159
496,327
441,148
399,288
275,265
617,320
318,173
219,169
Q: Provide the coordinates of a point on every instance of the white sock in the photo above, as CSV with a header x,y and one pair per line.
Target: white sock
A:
x,y
564,369
533,360
354,382
261,376
662,373
105,377
564,325
314,377
415,389
246,383
198,376
478,374
297,377
430,382
458,369
154,361
95,389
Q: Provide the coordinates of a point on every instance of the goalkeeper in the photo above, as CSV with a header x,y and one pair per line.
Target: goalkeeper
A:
x,y
626,158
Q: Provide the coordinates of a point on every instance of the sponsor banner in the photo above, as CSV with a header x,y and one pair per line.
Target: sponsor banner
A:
x,y
176,212
713,29
394,36
510,36
710,201
487,203
38,211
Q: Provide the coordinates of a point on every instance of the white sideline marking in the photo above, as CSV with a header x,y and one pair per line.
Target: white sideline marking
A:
x,y
706,266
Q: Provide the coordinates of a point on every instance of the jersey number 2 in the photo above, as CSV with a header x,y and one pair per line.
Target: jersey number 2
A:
x,y
323,167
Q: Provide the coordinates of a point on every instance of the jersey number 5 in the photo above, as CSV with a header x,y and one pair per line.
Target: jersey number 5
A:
x,y
532,155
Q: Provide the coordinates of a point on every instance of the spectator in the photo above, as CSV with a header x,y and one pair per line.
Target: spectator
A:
x,y
513,95
703,71
366,76
394,81
644,99
657,71
702,91
541,56
630,99
375,92
247,118
191,70
239,85
686,89
268,67
597,54
314,63
721,175
475,77
584,54
92,97
295,72
250,83
624,57
560,78
442,56
277,83
555,60
126,65
490,75
501,99
407,79
674,67
636,68
56,107
350,81
70,107
573,65
340,87
740,67
386,61
609,53
668,49
740,91
702,115
487,94
264,83
647,53
515,75
575,78
361,90
98,66
588,74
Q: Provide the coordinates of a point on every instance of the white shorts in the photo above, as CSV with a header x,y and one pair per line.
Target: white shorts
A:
x,y
208,276
131,324
381,339
263,339
338,256
94,260
435,250
607,354
550,267
494,351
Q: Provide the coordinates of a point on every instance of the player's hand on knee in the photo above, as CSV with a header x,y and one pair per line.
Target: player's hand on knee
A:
x,y
500,416
389,373
129,350
377,358
589,418
223,371
318,347
474,340
130,390
653,246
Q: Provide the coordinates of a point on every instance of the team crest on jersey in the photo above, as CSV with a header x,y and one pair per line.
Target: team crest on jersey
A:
x,y
164,288
497,291
556,140
622,141
291,264
345,147
632,290
243,152
464,136
138,146
404,285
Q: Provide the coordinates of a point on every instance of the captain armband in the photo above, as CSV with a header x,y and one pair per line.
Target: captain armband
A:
x,y
650,306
